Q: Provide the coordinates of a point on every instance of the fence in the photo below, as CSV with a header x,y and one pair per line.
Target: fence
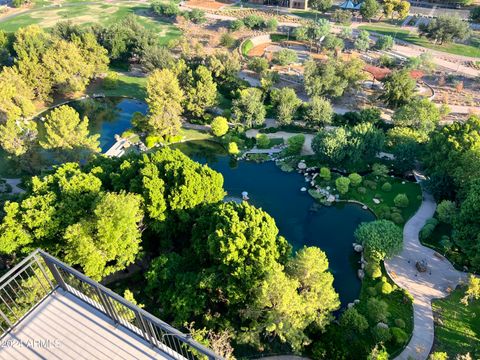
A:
x,y
25,286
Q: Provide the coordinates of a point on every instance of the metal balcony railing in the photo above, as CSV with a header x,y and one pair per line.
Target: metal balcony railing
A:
x,y
25,286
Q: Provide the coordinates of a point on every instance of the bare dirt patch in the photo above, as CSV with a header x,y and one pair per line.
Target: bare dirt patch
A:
x,y
205,4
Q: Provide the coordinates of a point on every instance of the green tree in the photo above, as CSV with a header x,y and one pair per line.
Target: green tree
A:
x,y
67,66
156,57
319,111
219,126
110,240
16,97
165,103
286,103
445,29
65,131
399,88
201,93
419,114
369,9
355,179
285,57
438,355
352,320
475,14
446,211
331,146
294,145
258,64
342,183
95,56
381,238
248,108
233,148
325,173
362,42
321,5
473,289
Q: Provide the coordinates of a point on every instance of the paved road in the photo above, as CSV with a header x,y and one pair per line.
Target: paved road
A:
x,y
440,278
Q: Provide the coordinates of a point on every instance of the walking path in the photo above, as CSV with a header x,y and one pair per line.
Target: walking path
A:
x,y
440,278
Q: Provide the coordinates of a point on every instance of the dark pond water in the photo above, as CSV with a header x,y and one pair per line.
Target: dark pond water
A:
x,y
299,218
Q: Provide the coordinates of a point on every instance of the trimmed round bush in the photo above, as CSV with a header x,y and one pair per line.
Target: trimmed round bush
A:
x,y
370,184
342,184
385,288
233,148
397,218
399,336
401,200
325,173
428,228
219,126
362,190
387,187
400,323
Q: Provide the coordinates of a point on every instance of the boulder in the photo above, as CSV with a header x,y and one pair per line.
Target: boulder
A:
x,y
376,201
358,248
382,325
356,301
364,207
360,274
303,189
350,305
302,165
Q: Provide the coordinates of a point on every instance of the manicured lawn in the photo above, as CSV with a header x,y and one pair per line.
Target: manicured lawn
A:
x,y
88,14
472,50
457,327
372,188
191,134
131,86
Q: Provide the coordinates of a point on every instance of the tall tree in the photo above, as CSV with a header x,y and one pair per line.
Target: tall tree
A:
x,y
15,96
248,108
110,240
286,103
65,131
445,28
399,88
419,114
369,9
201,93
165,102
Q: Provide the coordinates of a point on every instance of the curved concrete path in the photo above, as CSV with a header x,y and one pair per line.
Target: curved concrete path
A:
x,y
440,278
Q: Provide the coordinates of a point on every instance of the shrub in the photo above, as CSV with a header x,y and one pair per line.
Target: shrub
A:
x,y
257,64
384,43
397,218
254,22
196,16
227,40
428,228
325,173
387,187
399,335
294,145
152,140
372,291
263,142
385,288
169,9
219,126
355,179
379,170
342,183
233,148
271,24
381,334
236,25
400,323
111,80
373,269
446,211
362,190
401,200
351,319
19,3
370,184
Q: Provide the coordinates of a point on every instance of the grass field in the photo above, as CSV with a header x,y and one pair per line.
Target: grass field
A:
x,y
91,13
457,327
472,50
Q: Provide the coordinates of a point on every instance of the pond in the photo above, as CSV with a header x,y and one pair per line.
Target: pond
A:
x,y
299,218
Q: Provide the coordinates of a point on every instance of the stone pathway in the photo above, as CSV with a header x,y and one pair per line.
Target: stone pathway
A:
x,y
440,278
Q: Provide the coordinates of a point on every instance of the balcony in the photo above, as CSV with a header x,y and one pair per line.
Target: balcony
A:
x,y
48,310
